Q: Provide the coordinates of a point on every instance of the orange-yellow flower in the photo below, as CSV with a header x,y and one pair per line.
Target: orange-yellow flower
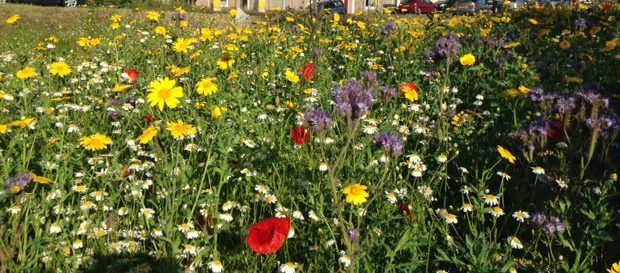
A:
x,y
95,142
164,92
506,154
356,194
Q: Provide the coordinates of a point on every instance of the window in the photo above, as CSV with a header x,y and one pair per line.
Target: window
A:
x,y
224,3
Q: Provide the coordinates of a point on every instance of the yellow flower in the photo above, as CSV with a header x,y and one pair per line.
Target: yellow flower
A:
x,y
533,22
459,119
40,179
217,112
225,62
206,34
116,18
180,130
148,135
291,77
164,92
3,128
115,25
153,16
26,73
233,12
13,19
161,31
467,60
183,45
23,123
60,69
411,91
356,194
615,268
95,142
207,86
180,10
506,154
121,88
565,44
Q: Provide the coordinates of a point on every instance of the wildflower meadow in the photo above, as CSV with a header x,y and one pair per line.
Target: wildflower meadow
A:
x,y
185,141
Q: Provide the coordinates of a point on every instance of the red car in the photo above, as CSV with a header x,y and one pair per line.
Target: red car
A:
x,y
417,7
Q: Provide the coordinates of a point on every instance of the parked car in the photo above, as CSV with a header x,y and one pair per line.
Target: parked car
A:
x,y
417,7
335,6
471,6
66,3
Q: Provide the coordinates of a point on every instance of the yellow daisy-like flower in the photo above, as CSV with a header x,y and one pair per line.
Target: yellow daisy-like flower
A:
x,y
467,60
95,142
459,119
615,268
206,34
291,77
225,62
217,112
13,19
121,88
26,73
60,69
533,21
164,92
506,154
182,45
180,130
565,44
161,31
207,86
233,13
356,194
23,123
148,135
40,179
3,128
153,16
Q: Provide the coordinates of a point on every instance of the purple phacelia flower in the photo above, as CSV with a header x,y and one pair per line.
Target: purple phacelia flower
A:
x,y
539,128
391,144
387,92
352,100
550,225
370,79
354,234
448,46
581,24
565,104
20,181
536,95
388,29
319,120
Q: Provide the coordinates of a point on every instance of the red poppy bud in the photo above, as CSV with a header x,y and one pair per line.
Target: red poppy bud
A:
x,y
300,135
405,209
132,74
149,119
267,236
307,72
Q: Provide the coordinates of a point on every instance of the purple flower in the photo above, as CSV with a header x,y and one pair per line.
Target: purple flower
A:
x,y
352,100
539,128
391,144
19,181
319,120
565,104
177,16
581,24
448,46
536,95
589,96
388,29
387,92
549,224
370,78
354,234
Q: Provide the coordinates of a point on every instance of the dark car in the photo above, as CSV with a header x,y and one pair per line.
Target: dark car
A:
x,y
335,6
66,3
417,7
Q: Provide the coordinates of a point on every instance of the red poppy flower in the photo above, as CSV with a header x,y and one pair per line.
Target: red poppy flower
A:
x,y
132,74
300,135
405,209
307,71
556,129
267,236
607,8
149,119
